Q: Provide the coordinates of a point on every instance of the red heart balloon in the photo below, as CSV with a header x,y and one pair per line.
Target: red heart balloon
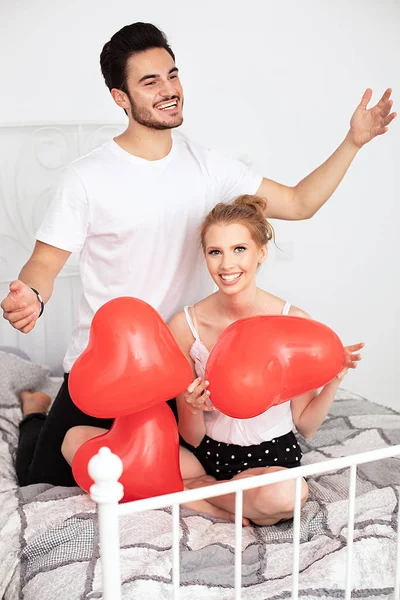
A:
x,y
132,362
262,361
148,445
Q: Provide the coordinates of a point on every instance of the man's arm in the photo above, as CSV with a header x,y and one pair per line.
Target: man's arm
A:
x,y
21,306
306,198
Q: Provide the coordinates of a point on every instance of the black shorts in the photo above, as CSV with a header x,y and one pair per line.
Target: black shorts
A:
x,y
224,461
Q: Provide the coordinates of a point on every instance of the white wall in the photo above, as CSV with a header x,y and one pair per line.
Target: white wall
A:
x,y
275,83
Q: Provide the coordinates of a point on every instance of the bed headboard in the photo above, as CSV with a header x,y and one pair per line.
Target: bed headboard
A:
x,y
32,158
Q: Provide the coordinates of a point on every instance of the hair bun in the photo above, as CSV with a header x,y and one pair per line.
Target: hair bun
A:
x,y
256,203
247,210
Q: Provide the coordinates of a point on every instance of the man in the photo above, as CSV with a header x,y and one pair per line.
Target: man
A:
x,y
132,209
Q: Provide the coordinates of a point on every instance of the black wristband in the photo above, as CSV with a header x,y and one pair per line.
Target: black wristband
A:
x,y
40,300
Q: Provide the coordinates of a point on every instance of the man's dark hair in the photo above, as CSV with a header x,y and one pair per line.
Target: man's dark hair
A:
x,y
128,41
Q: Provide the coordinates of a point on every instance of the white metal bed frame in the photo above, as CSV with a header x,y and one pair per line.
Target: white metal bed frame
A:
x,y
105,468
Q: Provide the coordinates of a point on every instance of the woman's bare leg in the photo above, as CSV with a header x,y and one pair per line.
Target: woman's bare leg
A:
x,y
263,506
75,437
192,470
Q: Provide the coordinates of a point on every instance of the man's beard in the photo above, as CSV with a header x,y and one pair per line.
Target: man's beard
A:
x,y
144,117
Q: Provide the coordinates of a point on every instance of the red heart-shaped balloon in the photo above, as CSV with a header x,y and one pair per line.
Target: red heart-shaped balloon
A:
x,y
261,361
131,363
148,445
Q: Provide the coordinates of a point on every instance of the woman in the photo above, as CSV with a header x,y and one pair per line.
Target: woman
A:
x,y
234,239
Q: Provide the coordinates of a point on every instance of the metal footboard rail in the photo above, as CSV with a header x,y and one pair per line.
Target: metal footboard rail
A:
x,y
105,468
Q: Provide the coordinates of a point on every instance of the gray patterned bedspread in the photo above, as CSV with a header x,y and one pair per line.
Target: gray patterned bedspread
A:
x,y
49,535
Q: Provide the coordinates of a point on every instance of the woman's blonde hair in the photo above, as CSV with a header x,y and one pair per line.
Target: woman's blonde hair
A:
x,y
248,210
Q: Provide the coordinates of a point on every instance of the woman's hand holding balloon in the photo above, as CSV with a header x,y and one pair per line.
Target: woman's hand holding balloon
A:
x,y
197,396
310,410
351,358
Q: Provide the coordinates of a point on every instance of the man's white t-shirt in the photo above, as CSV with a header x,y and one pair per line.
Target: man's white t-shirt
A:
x,y
136,225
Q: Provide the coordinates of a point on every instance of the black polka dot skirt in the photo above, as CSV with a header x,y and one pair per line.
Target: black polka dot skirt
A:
x,y
224,461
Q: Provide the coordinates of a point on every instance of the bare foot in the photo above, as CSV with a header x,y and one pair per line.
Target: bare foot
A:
x,y
206,507
34,402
